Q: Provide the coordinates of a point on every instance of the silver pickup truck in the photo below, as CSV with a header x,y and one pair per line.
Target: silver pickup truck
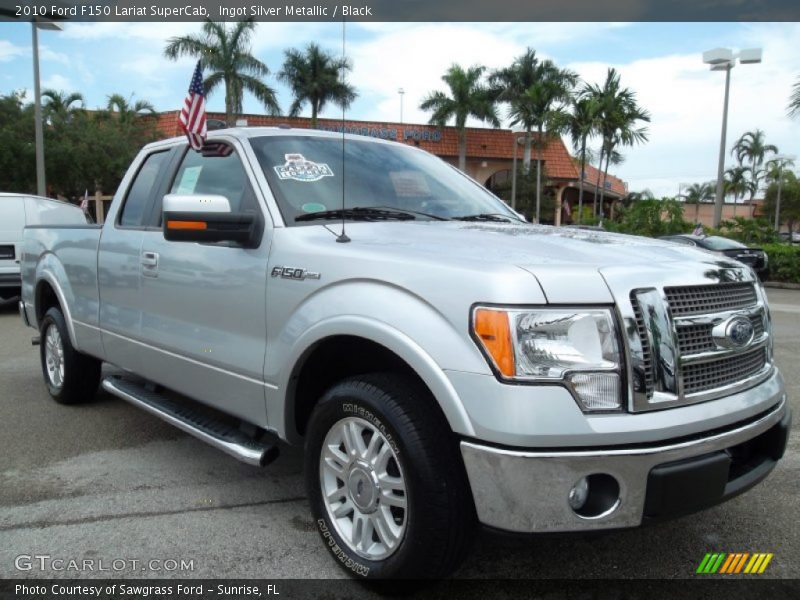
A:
x,y
445,363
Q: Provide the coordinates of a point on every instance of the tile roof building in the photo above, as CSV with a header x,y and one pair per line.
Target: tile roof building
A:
x,y
490,155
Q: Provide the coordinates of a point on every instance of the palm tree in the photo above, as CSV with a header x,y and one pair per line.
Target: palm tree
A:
x,y
794,100
752,147
698,193
468,98
737,183
537,92
226,53
582,123
60,105
619,115
316,77
126,109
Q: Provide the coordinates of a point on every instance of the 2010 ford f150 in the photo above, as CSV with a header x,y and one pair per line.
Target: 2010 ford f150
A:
x,y
444,362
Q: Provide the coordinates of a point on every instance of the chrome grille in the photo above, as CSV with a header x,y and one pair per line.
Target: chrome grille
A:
x,y
695,339
647,354
704,299
679,362
724,371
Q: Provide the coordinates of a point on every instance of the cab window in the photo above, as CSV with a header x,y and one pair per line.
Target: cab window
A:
x,y
141,190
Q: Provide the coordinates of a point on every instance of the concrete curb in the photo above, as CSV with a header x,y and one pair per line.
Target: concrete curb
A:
x,y
782,285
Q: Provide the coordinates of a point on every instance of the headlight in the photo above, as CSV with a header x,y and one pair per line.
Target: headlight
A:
x,y
576,346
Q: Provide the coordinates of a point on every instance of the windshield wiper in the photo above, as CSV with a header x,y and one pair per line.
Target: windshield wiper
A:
x,y
413,212
360,213
495,217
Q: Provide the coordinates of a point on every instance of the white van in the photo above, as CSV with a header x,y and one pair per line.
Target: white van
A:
x,y
17,211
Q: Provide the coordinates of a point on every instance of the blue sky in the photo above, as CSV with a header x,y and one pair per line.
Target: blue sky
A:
x,y
660,61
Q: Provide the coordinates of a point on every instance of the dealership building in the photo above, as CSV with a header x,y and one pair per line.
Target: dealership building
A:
x,y
490,155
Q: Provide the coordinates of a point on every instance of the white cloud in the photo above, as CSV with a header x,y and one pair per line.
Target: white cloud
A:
x,y
47,53
57,82
9,51
126,31
415,58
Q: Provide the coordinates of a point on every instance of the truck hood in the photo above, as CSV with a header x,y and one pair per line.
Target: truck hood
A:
x,y
565,261
527,246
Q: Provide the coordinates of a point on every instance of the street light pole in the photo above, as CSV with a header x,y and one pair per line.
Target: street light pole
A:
x,y
724,59
401,91
720,193
41,188
514,177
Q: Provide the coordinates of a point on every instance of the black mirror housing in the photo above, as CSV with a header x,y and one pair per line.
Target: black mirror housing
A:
x,y
210,227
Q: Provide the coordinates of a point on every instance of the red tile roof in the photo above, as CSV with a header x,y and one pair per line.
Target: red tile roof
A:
x,y
482,143
615,184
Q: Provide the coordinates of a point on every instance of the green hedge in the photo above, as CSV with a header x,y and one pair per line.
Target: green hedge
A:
x,y
784,262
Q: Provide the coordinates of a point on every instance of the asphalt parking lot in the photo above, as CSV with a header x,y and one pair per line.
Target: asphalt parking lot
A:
x,y
107,481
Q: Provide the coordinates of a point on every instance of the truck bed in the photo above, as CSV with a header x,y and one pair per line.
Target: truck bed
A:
x,y
69,252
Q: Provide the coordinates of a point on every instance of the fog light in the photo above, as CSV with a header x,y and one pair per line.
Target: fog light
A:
x,y
597,391
578,494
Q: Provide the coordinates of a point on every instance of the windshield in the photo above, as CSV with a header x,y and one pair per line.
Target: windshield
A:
x,y
306,174
720,243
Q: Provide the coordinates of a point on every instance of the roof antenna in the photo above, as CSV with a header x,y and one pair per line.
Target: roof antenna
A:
x,y
342,237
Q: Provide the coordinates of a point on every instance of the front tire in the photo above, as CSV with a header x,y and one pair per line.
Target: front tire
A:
x,y
71,376
386,484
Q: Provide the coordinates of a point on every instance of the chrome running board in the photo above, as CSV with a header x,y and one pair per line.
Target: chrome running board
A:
x,y
215,433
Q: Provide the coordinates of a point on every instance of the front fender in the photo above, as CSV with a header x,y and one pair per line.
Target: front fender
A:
x,y
390,316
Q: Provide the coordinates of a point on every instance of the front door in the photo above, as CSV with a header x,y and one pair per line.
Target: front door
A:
x,y
203,305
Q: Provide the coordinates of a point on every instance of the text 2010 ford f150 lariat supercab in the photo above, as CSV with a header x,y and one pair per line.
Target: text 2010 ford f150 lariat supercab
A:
x,y
444,363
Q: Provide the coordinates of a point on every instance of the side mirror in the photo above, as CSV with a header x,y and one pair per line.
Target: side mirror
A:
x,y
205,218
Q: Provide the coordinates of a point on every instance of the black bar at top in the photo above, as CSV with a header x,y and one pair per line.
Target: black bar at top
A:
x,y
401,10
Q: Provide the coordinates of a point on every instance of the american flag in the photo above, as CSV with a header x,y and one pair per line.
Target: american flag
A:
x,y
193,114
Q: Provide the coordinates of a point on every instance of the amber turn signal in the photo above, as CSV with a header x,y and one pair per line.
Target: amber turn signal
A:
x,y
493,331
187,225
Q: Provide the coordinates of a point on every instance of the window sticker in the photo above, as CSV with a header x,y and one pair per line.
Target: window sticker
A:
x,y
312,207
189,180
298,168
410,184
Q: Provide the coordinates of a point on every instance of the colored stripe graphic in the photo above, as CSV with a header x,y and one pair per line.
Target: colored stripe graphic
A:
x,y
734,563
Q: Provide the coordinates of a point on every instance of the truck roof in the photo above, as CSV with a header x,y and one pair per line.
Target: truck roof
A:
x,y
250,132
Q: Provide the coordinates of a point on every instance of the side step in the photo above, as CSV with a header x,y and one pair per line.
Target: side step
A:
x,y
216,433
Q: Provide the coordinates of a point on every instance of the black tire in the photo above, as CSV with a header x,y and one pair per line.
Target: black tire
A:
x,y
441,515
81,373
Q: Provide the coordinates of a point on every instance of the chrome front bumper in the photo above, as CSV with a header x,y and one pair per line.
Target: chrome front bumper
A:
x,y
527,491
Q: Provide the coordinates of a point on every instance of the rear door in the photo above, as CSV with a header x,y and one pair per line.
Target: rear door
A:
x,y
119,261
204,305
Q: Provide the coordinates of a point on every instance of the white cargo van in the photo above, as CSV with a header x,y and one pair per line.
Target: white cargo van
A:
x,y
16,212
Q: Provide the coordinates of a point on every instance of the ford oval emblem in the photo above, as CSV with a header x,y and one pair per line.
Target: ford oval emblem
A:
x,y
736,332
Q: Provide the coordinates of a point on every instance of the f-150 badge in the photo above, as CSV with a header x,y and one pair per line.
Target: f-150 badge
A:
x,y
298,168
294,273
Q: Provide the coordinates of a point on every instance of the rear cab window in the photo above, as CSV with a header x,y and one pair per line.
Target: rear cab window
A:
x,y
141,191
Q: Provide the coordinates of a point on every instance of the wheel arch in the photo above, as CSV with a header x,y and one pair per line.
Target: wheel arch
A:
x,y
355,345
47,294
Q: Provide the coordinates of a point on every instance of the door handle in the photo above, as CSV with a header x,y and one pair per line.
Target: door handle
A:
x,y
150,259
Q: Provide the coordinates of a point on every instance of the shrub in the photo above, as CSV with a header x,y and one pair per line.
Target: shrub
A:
x,y
784,262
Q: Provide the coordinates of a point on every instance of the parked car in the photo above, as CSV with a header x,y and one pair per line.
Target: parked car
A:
x,y
786,236
754,258
16,212
443,362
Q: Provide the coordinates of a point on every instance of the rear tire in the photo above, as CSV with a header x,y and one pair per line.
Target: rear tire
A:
x,y
71,377
385,480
